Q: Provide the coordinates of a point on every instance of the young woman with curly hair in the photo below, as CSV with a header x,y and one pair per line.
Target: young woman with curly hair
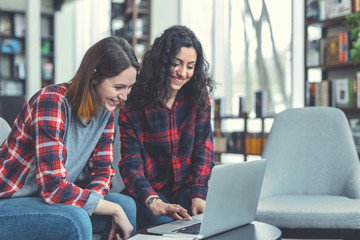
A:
x,y
166,134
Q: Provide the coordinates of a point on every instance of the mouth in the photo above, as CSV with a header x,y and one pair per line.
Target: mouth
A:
x,y
115,102
177,81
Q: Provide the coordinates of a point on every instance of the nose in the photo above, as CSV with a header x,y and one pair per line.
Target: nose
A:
x,y
124,94
181,72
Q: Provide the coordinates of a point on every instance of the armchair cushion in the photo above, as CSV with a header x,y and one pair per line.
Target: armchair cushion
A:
x,y
307,211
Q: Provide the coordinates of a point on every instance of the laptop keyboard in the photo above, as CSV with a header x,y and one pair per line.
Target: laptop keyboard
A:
x,y
192,229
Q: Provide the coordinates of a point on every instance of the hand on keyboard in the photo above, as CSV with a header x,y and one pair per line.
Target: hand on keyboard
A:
x,y
160,208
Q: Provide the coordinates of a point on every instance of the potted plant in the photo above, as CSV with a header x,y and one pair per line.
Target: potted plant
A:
x,y
353,20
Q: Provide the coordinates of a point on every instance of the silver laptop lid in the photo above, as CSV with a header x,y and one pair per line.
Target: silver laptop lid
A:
x,y
234,191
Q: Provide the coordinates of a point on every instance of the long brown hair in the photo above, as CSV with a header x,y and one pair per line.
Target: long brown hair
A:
x,y
105,59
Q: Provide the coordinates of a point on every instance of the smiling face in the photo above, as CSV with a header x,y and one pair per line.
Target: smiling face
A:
x,y
111,91
183,69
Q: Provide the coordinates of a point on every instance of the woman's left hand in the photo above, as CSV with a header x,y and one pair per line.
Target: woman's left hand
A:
x,y
120,222
197,206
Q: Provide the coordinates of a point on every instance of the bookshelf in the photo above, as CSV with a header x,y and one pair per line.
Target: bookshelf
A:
x,y
12,53
327,57
12,63
239,134
331,79
130,19
245,142
13,67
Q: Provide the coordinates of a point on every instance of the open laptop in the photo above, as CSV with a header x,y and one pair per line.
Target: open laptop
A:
x,y
232,199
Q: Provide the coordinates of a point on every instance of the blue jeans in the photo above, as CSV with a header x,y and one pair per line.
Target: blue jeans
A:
x,y
31,218
146,217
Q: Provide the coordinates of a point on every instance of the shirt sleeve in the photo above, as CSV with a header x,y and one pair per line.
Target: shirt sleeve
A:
x,y
203,155
100,162
50,155
132,166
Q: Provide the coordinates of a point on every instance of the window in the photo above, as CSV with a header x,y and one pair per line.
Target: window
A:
x,y
260,52
248,46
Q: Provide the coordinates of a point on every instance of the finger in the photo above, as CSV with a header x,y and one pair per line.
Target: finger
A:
x,y
126,234
176,216
194,211
118,236
185,214
111,235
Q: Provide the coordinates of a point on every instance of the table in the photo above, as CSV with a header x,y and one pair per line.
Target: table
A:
x,y
252,231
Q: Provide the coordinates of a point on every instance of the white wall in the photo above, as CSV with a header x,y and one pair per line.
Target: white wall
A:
x,y
79,24
164,13
64,42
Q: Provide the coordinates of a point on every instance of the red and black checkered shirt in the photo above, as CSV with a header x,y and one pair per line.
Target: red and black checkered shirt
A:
x,y
37,138
163,147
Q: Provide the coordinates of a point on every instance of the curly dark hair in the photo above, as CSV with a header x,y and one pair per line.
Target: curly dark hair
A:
x,y
154,82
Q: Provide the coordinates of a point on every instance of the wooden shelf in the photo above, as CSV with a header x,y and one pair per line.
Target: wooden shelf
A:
x,y
135,17
244,142
338,80
326,23
334,66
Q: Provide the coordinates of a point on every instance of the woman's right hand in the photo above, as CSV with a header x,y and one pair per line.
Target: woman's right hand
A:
x,y
160,208
120,222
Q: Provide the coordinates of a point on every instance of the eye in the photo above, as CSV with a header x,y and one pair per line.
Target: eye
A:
x,y
190,67
118,88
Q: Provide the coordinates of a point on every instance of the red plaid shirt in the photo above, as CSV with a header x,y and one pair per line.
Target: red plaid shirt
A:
x,y
162,147
37,138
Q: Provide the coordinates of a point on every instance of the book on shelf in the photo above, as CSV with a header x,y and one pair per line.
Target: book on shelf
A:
x,y
313,56
45,27
338,8
5,25
310,93
218,108
254,143
11,88
312,10
262,103
139,27
333,8
10,45
332,49
19,25
45,46
319,93
235,142
242,106
356,5
322,93
19,65
47,70
341,92
220,143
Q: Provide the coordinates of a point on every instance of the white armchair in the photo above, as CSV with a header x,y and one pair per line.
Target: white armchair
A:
x,y
311,186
